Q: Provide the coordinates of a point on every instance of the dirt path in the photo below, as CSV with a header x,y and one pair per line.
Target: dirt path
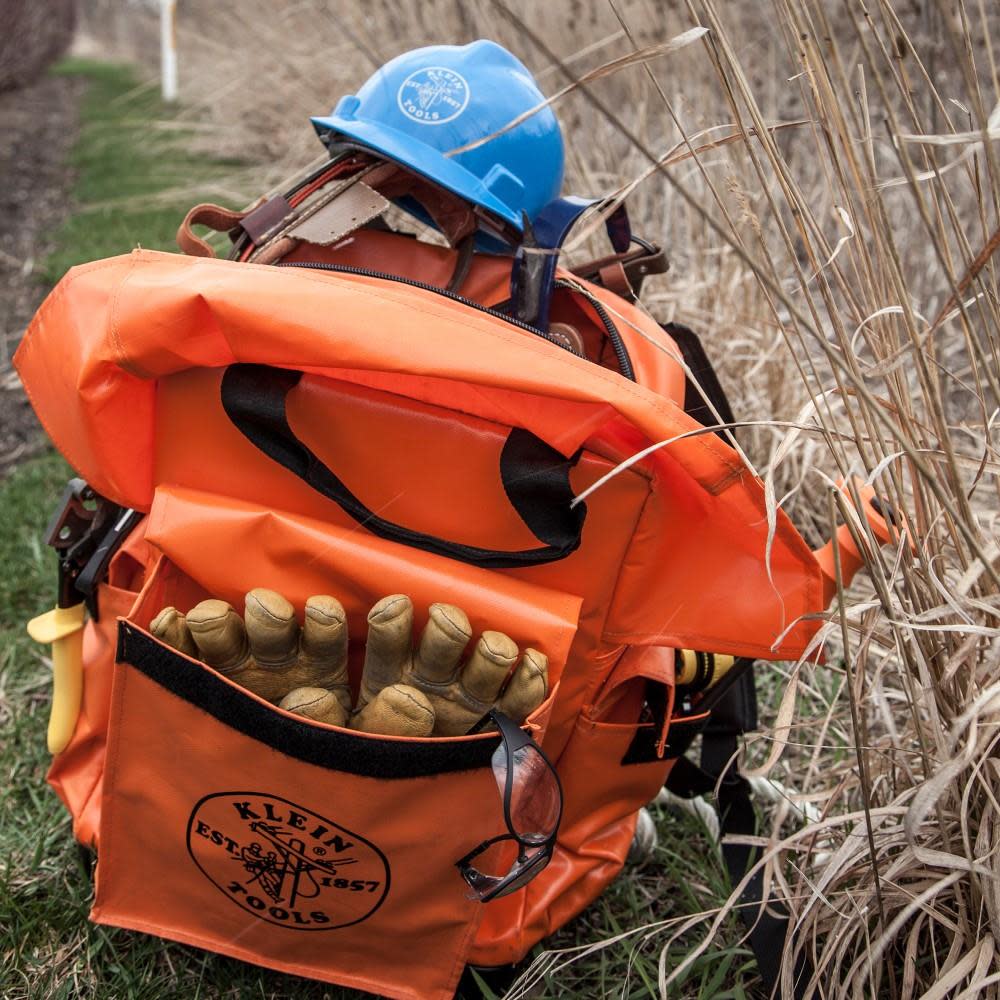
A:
x,y
38,124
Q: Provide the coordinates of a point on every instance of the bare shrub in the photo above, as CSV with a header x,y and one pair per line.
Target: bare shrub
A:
x,y
34,36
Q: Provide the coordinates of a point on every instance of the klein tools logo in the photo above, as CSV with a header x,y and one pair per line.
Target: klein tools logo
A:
x,y
433,96
284,863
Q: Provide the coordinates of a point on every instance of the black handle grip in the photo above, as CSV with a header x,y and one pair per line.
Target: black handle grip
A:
x,y
534,475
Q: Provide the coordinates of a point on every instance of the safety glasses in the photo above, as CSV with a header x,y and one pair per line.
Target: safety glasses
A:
x,y
532,808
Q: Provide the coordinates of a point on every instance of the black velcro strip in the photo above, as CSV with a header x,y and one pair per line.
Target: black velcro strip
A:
x,y
365,756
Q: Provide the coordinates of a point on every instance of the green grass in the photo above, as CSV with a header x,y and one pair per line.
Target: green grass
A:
x,y
47,946
135,175
684,876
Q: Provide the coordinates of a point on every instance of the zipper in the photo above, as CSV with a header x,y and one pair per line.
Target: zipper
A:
x,y
366,272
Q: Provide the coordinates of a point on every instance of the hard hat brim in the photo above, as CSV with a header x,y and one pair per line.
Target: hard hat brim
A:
x,y
421,159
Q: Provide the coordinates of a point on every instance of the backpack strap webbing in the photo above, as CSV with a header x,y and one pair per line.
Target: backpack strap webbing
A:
x,y
702,372
766,920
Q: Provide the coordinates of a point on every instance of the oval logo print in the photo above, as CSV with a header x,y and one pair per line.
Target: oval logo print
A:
x,y
433,96
284,863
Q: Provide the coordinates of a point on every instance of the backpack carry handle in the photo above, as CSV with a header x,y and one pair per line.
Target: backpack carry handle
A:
x,y
534,475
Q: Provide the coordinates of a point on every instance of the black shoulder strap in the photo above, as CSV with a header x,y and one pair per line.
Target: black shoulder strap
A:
x,y
765,919
703,373
734,712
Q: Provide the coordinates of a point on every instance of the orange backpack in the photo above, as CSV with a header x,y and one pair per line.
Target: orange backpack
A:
x,y
243,412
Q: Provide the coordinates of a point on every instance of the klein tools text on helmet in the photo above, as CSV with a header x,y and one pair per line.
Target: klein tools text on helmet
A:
x,y
430,109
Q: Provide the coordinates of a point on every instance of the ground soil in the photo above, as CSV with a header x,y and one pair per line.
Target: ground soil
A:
x,y
39,125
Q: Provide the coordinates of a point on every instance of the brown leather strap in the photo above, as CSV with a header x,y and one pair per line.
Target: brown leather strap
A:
x,y
214,217
265,218
275,250
613,277
627,269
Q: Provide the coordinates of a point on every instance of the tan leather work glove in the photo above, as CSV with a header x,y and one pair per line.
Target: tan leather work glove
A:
x,y
404,691
270,655
459,694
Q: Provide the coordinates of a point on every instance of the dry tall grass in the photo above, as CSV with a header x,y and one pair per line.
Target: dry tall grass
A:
x,y
840,269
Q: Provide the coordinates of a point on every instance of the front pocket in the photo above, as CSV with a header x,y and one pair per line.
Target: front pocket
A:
x,y
235,826
231,825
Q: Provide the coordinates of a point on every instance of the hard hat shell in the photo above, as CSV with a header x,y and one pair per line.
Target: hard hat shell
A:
x,y
421,106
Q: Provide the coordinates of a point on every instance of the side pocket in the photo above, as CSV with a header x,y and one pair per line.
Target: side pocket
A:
x,y
77,773
234,826
614,764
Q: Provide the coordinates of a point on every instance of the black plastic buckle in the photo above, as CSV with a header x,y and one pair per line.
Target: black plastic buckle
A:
x,y
653,260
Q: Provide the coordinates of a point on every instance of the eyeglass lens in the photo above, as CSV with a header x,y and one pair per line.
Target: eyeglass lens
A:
x,y
534,795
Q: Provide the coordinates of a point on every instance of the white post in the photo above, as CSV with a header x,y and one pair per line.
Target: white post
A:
x,y
168,50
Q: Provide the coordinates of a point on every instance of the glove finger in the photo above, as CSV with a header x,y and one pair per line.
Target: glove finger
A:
x,y
461,704
323,646
219,634
317,704
271,628
388,647
488,666
397,710
170,626
442,643
527,688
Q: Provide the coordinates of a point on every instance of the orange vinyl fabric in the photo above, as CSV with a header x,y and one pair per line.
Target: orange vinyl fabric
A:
x,y
178,778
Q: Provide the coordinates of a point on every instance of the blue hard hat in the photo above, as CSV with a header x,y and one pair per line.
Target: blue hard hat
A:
x,y
424,104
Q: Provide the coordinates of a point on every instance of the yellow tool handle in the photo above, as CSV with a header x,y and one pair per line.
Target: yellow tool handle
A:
x,y
714,666
63,629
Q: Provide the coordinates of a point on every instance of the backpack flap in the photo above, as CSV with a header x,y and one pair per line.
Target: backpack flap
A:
x,y
110,330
